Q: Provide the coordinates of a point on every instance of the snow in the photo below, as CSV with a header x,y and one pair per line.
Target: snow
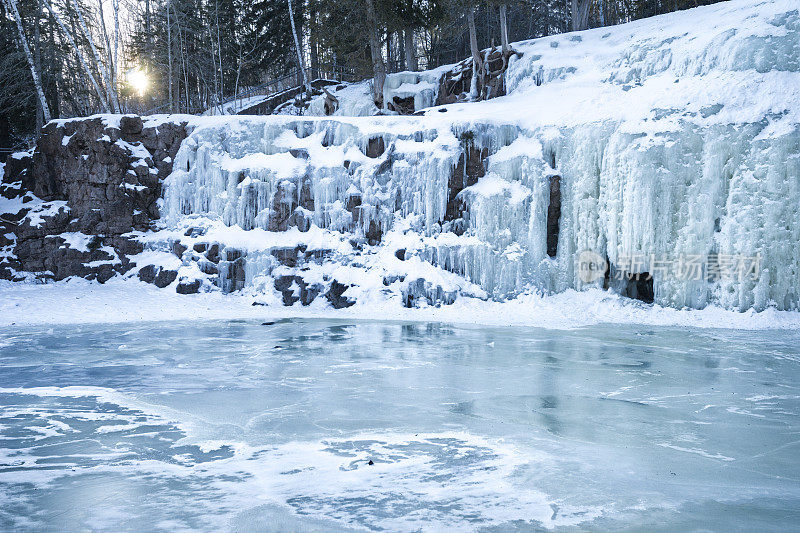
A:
x,y
355,100
39,210
234,106
78,301
284,165
76,240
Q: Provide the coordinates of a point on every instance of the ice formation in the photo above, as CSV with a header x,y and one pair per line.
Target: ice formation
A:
x,y
669,138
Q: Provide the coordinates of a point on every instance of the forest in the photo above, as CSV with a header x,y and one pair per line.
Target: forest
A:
x,y
67,58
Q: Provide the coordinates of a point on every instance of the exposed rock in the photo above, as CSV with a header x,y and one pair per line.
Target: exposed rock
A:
x,y
109,179
148,273
404,106
188,287
553,216
335,296
178,248
470,168
164,278
376,145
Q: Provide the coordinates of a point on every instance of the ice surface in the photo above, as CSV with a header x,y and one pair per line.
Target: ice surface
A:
x,y
240,426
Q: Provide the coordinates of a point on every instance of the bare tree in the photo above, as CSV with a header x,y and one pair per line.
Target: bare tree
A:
x,y
112,91
378,66
504,30
580,14
169,57
300,62
410,49
477,61
84,65
11,6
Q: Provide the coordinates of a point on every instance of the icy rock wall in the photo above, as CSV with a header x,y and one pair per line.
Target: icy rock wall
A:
x,y
726,190
668,138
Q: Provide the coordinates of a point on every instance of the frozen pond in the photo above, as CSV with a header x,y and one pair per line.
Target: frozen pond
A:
x,y
251,427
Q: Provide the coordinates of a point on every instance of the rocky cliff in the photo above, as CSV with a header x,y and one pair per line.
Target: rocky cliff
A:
x,y
72,204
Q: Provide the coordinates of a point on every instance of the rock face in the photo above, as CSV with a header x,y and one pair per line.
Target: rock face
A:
x,y
88,184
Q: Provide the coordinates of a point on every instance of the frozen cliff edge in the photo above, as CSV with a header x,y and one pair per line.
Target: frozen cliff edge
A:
x,y
655,145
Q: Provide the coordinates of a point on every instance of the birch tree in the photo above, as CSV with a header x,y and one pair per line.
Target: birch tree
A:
x,y
81,59
11,6
300,62
112,91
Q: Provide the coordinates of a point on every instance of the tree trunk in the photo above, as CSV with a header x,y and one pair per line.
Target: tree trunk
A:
x,y
115,64
86,70
169,58
313,40
410,50
378,66
504,30
104,33
11,6
112,92
477,62
300,63
580,14
219,53
37,58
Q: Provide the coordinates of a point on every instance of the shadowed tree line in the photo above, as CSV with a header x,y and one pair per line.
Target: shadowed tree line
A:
x,y
63,58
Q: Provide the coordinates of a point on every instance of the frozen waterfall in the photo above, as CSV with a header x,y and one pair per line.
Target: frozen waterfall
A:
x,y
655,152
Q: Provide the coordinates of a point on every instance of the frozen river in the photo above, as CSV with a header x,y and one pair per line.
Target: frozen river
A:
x,y
329,425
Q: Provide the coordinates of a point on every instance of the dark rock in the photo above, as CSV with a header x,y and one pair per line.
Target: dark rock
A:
x,y
316,256
306,197
178,248
207,267
108,187
470,168
375,147
639,287
194,232
335,296
400,254
553,216
200,247
286,256
131,125
104,273
284,284
374,233
388,280
308,293
404,106
282,206
148,273
164,278
188,287
213,253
